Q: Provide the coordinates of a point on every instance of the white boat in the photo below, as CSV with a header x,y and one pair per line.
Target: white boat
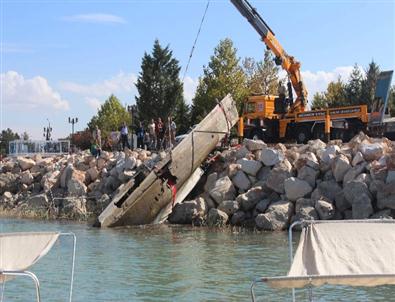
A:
x,y
19,251
343,252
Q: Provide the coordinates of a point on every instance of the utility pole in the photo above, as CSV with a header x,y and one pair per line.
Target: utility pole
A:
x,y
73,121
48,131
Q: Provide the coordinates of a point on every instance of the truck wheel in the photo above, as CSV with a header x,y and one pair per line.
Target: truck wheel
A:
x,y
319,132
257,135
303,134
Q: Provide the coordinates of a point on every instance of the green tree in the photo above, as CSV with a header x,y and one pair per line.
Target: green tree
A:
x,y
223,75
319,101
25,136
6,136
391,101
182,117
354,87
110,117
369,84
334,96
158,84
262,76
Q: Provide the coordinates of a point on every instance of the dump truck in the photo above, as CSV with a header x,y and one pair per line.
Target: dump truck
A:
x,y
275,118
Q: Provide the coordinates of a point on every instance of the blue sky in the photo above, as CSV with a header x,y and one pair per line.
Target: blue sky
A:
x,y
63,58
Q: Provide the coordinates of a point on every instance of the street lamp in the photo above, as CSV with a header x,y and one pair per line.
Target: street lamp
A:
x,y
73,121
132,109
47,131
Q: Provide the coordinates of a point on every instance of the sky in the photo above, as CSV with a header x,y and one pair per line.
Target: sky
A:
x,y
63,59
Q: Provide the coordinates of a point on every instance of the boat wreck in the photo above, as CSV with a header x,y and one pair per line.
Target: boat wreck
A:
x,y
149,196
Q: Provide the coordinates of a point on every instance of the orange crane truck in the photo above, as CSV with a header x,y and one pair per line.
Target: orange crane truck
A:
x,y
274,118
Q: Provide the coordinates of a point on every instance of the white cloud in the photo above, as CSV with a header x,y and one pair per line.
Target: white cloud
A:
x,y
120,83
32,93
94,103
317,81
95,18
190,86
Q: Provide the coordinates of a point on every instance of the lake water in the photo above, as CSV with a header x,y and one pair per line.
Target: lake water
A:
x,y
166,263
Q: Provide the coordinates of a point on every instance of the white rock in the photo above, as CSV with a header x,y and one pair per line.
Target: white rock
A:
x,y
390,176
25,163
296,188
27,178
324,209
254,145
223,190
277,216
358,158
270,156
250,167
371,151
329,153
340,167
241,181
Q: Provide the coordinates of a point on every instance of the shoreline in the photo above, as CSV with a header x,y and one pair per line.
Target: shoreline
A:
x,y
252,186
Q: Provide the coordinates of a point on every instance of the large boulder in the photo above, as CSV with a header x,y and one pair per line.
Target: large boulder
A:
x,y
248,200
76,187
340,167
261,206
309,175
189,212
386,196
270,156
238,218
27,177
25,163
308,159
296,188
223,190
371,152
357,193
93,173
210,181
253,145
217,218
277,216
327,189
329,153
241,181
354,172
251,167
276,178
358,158
8,182
38,201
229,207
324,209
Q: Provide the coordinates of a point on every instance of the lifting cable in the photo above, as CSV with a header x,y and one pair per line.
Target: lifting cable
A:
x,y
194,43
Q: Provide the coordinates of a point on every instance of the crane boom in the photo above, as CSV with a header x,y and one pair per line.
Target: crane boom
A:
x,y
288,63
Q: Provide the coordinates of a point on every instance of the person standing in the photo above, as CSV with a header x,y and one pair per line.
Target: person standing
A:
x,y
173,130
152,134
97,141
160,132
124,136
140,136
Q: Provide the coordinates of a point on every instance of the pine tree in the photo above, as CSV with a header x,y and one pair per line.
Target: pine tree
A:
x,y
182,117
369,84
354,87
158,84
223,75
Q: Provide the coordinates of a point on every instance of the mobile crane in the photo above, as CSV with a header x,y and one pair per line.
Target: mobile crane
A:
x,y
273,118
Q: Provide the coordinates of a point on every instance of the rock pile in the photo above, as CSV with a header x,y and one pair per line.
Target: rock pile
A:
x,y
269,187
75,186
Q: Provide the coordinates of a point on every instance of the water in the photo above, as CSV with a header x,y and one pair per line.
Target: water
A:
x,y
165,263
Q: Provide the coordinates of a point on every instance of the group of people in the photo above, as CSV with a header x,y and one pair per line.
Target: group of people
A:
x,y
158,135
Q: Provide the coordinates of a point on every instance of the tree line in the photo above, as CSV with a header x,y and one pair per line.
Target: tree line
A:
x,y
358,90
161,91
